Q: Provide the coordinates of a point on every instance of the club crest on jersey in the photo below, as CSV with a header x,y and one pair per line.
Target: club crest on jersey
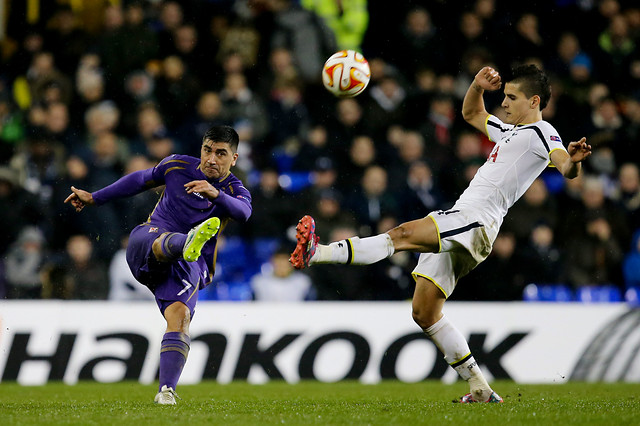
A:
x,y
555,138
153,229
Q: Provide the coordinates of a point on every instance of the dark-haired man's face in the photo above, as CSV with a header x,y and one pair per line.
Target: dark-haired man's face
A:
x,y
216,159
518,107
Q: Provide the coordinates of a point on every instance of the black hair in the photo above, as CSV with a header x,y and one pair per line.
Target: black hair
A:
x,y
533,81
225,134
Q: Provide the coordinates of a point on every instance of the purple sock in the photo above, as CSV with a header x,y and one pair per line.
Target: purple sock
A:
x,y
173,244
173,355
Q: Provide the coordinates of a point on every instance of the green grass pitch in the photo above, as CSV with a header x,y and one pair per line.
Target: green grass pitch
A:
x,y
342,403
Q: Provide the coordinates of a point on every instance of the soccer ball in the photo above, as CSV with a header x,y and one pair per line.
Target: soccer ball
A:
x,y
346,73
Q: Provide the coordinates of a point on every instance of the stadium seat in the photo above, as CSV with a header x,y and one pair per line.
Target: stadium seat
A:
x,y
232,252
263,248
554,181
599,294
547,293
294,181
239,291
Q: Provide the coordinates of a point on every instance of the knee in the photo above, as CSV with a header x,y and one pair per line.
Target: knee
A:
x,y
156,247
425,317
178,317
400,236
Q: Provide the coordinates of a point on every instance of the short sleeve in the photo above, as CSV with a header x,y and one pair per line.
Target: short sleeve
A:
x,y
552,138
496,128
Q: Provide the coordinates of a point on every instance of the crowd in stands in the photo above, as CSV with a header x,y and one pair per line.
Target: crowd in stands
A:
x,y
90,91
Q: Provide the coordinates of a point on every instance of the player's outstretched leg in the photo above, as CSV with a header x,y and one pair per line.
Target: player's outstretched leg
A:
x,y
198,236
166,396
353,250
307,241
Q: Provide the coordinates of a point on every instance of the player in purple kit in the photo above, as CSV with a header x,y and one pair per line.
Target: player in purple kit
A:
x,y
173,252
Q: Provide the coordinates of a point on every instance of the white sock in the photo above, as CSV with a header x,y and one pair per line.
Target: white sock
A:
x,y
458,355
355,251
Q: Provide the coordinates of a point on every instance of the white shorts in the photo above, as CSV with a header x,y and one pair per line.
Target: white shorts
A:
x,y
465,241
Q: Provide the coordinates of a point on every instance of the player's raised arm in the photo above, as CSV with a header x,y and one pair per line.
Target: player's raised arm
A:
x,y
473,110
570,165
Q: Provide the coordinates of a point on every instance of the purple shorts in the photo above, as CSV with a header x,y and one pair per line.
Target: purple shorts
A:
x,y
170,282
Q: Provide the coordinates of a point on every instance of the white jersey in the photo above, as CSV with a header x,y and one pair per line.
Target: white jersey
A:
x,y
520,154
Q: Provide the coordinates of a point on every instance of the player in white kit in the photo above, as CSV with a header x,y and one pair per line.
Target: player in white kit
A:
x,y
455,241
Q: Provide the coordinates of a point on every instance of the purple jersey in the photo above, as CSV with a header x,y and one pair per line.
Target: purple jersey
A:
x,y
178,211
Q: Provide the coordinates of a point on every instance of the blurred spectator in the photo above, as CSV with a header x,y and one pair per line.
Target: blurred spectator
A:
x,y
171,17
471,34
468,156
58,126
420,43
102,117
137,43
348,20
349,122
46,82
86,273
123,287
616,47
208,113
39,165
626,150
313,147
631,263
372,200
542,261
420,194
594,204
280,67
362,154
279,282
387,105
437,130
243,109
138,92
288,115
55,285
594,256
629,193
536,206
187,48
30,43
527,38
149,125
303,33
23,264
108,157
239,49
12,127
328,213
569,52
273,210
177,91
606,124
323,176
66,39
410,148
